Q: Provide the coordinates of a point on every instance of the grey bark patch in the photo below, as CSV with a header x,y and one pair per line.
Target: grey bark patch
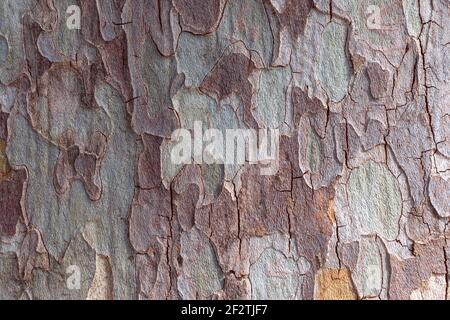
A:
x,y
201,276
273,276
439,191
334,69
368,274
4,49
375,200
9,277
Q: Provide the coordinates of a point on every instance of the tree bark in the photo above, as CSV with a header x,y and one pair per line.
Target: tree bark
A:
x,y
224,149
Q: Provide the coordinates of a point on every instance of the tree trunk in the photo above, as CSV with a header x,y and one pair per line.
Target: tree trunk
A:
x,y
224,149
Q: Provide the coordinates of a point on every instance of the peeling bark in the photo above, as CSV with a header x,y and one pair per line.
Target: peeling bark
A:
x,y
353,202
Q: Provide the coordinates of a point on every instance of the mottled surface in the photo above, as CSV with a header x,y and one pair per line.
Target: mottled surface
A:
x,y
92,205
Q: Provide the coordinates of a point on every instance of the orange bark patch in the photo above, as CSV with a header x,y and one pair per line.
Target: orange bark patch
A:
x,y
331,212
334,284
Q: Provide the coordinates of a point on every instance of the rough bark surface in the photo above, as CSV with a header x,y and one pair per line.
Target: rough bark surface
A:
x,y
358,207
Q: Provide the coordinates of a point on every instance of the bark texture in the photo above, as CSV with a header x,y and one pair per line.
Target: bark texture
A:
x,y
92,206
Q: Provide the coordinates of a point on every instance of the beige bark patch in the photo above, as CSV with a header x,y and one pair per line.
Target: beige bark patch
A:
x,y
432,289
334,284
102,284
4,165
